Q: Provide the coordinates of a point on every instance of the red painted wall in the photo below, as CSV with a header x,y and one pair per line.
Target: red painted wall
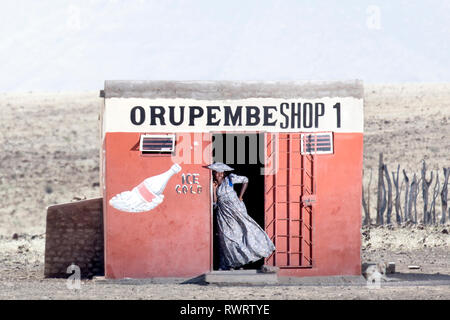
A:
x,y
337,216
173,239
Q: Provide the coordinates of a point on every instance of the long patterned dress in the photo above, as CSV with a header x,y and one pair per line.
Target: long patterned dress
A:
x,y
241,239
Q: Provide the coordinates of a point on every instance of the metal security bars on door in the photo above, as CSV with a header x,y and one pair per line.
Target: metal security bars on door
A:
x,y
289,198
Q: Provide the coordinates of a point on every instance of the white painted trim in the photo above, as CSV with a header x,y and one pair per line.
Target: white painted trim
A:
x,y
330,134
117,115
143,136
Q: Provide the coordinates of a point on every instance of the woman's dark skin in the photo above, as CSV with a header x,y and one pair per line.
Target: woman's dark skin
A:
x,y
219,177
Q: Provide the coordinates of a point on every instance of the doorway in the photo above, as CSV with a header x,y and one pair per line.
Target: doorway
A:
x,y
244,153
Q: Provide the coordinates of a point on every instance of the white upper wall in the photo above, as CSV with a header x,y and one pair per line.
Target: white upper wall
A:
x,y
205,106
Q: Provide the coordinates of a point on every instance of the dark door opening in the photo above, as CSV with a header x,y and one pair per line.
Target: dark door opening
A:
x,y
244,153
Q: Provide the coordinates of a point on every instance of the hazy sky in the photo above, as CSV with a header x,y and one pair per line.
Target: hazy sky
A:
x,y
55,45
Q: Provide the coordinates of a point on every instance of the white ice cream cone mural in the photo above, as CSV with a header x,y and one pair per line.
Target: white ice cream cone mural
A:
x,y
145,196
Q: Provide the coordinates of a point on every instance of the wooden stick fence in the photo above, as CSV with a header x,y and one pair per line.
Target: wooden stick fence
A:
x,y
409,214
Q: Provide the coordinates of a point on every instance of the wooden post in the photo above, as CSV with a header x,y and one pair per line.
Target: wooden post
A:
x,y
389,200
398,214
433,200
444,195
366,205
381,201
413,197
406,217
425,186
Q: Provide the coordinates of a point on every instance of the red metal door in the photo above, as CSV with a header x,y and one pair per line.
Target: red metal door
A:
x,y
289,199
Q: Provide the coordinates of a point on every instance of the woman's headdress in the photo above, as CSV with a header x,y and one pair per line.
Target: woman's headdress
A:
x,y
220,167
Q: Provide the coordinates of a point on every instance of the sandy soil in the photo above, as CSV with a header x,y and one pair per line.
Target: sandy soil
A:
x,y
22,261
50,144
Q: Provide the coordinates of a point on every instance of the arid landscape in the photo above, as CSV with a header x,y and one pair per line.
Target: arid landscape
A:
x,y
50,146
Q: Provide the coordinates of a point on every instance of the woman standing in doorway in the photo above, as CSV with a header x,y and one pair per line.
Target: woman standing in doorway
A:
x,y
241,239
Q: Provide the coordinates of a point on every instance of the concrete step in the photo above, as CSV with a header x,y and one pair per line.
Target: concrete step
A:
x,y
241,277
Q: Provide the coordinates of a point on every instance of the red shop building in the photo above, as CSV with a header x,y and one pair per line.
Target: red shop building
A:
x,y
299,143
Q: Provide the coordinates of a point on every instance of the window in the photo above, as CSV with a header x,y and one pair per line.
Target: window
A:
x,y
157,143
317,143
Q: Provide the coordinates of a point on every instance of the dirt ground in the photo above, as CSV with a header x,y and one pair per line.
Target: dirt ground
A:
x,y
51,143
22,267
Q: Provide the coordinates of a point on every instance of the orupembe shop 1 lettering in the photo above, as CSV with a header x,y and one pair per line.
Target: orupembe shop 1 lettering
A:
x,y
286,115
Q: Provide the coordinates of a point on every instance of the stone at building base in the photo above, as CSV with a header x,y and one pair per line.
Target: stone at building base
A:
x,y
269,269
241,277
323,281
390,269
